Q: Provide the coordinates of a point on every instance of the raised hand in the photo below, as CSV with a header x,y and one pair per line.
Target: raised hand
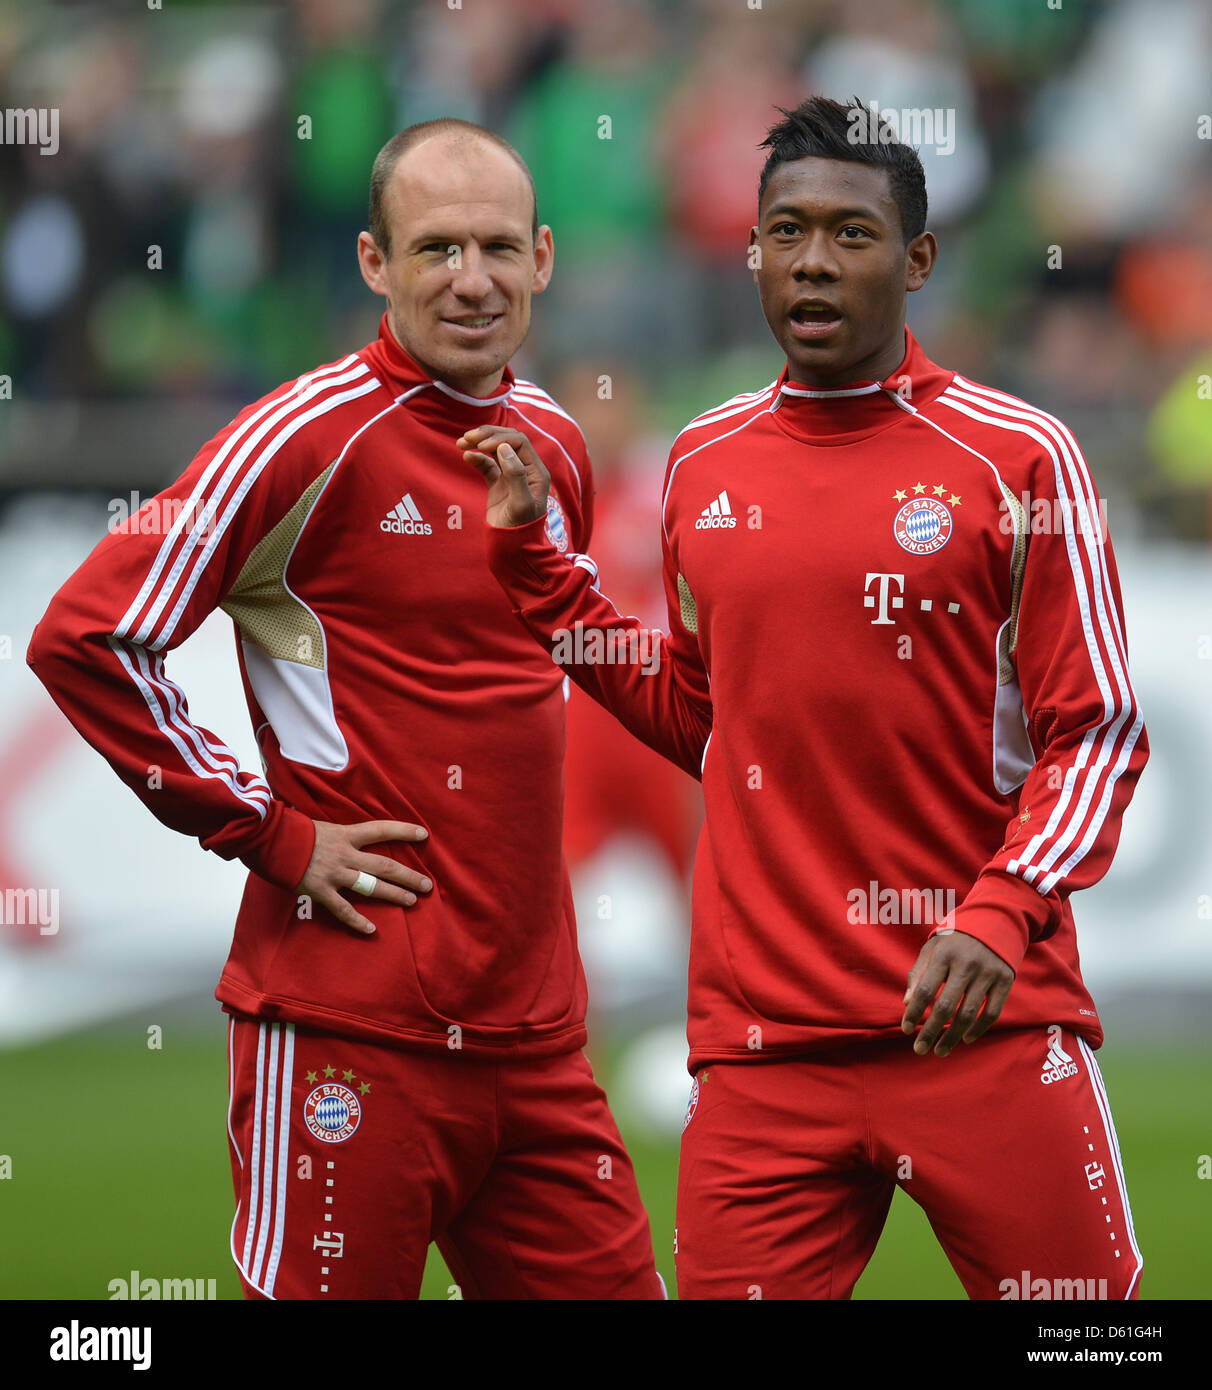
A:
x,y
518,482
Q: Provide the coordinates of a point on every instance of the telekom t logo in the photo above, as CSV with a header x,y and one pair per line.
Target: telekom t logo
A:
x,y
897,602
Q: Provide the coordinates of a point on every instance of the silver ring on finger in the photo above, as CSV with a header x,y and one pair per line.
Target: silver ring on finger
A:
x,y
364,884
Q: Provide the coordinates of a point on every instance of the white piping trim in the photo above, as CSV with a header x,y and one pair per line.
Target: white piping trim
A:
x,y
535,396
729,408
254,1158
268,1152
788,390
472,400
284,405
1116,708
576,476
231,1095
257,794
288,1060
1104,1109
245,485
757,415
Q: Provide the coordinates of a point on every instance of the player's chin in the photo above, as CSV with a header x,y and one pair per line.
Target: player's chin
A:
x,y
490,352
828,358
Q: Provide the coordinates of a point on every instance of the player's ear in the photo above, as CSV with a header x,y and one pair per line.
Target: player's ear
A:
x,y
372,263
755,254
920,256
544,260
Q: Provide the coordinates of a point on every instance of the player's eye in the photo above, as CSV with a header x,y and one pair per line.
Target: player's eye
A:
x,y
785,229
850,227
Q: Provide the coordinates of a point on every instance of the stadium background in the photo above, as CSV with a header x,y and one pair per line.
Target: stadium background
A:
x,y
1077,129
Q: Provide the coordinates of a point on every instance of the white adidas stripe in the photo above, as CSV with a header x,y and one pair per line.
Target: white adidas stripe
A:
x,y
1104,1110
269,1160
283,1161
220,754
257,794
304,388
1116,708
1073,454
745,401
254,1158
535,395
268,1153
250,477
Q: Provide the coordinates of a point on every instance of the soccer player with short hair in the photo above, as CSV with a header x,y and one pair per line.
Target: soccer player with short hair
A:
x,y
911,713
418,1075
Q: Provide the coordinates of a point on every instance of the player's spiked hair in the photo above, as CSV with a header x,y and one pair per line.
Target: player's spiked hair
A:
x,y
389,155
820,128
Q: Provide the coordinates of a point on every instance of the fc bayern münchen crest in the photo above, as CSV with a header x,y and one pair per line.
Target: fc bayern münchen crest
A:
x,y
692,1105
557,527
332,1113
922,526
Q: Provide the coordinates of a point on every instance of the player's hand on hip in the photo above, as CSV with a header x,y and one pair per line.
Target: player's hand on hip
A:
x,y
339,864
953,976
518,482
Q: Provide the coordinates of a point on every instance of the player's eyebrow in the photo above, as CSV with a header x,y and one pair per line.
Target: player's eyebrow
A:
x,y
831,215
447,239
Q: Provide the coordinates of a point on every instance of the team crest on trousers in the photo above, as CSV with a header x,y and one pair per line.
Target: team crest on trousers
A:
x,y
923,524
332,1113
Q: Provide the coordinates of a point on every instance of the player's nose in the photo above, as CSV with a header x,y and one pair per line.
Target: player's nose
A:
x,y
816,258
471,279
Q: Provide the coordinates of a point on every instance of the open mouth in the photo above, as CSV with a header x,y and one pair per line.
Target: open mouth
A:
x,y
814,320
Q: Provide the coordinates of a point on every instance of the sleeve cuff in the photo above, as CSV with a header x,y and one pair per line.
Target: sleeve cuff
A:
x,y
523,558
1003,913
283,848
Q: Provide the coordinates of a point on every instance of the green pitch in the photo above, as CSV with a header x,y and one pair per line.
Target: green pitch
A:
x,y
119,1162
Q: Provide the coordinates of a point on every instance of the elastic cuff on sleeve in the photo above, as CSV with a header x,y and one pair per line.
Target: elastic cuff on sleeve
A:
x,y
523,557
1003,913
283,850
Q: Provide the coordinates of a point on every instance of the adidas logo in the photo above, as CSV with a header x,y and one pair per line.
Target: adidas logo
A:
x,y
1057,1064
405,520
717,516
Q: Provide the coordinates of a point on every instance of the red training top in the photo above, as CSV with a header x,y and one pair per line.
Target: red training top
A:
x,y
897,660
337,524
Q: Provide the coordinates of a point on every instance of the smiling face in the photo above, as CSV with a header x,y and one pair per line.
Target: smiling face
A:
x,y
835,270
463,262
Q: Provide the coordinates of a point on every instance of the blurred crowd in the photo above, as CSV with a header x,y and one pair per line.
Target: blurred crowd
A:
x,y
193,235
